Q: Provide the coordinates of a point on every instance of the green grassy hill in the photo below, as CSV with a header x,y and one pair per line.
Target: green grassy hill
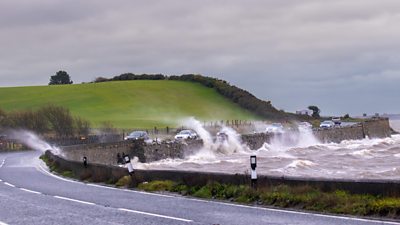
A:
x,y
128,104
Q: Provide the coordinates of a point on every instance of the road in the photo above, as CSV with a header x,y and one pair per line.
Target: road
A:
x,y
29,194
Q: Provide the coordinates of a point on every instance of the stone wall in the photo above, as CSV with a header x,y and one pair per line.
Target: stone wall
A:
x,y
107,153
339,134
256,141
377,128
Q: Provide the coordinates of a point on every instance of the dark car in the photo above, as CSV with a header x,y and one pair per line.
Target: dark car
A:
x,y
137,135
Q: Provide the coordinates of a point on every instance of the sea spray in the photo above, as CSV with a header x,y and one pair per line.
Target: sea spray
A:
x,y
31,140
206,152
232,143
302,137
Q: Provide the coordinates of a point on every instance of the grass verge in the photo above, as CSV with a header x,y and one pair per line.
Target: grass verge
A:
x,y
300,197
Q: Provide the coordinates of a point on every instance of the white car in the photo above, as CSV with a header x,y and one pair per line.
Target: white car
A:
x,y
221,137
337,120
275,128
305,125
327,124
186,134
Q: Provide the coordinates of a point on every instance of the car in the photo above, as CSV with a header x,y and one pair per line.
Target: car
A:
x,y
275,128
137,135
336,120
186,134
327,124
221,137
305,125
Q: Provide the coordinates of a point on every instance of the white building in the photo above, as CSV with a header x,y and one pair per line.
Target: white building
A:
x,y
304,112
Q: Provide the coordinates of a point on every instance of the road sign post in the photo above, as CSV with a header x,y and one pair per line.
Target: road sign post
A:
x,y
253,176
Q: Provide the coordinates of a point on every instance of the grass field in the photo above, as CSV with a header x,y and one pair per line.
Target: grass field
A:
x,y
128,104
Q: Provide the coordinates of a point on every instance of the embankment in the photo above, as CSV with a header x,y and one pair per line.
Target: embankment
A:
x,y
104,173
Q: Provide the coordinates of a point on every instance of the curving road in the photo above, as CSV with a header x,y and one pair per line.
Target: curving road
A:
x,y
29,194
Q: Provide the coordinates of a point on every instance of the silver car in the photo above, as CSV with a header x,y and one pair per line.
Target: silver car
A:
x,y
327,124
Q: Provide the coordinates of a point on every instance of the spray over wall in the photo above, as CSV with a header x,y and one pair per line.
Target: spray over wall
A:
x,y
33,141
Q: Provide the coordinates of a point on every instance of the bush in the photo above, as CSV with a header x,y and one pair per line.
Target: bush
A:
x,y
49,118
124,181
157,186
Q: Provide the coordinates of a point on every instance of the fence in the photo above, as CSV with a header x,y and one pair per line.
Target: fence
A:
x,y
10,145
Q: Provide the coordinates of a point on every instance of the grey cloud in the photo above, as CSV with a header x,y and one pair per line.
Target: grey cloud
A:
x,y
295,53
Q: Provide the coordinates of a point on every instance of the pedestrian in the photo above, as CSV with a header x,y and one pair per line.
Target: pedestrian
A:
x,y
119,159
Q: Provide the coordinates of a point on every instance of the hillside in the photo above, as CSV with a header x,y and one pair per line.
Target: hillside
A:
x,y
129,104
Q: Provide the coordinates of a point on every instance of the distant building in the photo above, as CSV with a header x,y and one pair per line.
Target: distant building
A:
x,y
304,112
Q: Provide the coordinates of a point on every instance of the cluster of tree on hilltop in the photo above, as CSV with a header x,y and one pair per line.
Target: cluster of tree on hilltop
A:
x,y
237,95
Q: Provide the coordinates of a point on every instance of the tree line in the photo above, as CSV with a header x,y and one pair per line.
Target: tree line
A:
x,y
47,119
237,95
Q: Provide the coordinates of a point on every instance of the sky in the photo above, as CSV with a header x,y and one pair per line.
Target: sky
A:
x,y
342,56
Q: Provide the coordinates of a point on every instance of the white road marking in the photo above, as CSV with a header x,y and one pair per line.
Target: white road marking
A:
x,y
74,200
296,212
2,223
155,215
43,170
229,204
35,192
126,190
11,185
1,180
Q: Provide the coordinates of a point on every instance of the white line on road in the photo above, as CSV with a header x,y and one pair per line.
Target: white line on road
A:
x,y
74,200
300,213
155,215
11,185
43,170
126,190
229,204
35,192
2,223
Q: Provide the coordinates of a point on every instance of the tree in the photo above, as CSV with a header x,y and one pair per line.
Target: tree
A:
x,y
315,110
61,77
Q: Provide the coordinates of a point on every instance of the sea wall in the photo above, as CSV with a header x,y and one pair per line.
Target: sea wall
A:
x,y
105,173
106,153
373,128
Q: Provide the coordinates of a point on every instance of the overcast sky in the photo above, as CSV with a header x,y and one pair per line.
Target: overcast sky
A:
x,y
343,56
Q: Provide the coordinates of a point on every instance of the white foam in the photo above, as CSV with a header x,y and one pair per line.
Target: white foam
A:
x,y
363,152
301,164
33,141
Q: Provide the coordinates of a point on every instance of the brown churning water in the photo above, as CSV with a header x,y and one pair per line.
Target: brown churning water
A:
x,y
302,156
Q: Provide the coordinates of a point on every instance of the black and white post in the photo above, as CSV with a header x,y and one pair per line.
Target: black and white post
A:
x,y
127,160
253,164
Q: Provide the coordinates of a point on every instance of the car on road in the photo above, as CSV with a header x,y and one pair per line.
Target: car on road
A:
x,y
336,120
275,128
221,137
186,134
327,124
137,135
305,125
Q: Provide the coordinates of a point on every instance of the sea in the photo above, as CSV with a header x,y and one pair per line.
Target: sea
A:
x,y
294,154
